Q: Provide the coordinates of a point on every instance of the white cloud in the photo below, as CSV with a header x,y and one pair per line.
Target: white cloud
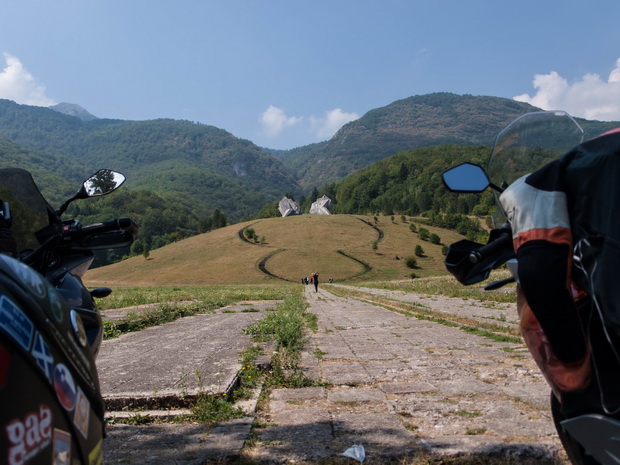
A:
x,y
328,125
591,97
17,84
274,121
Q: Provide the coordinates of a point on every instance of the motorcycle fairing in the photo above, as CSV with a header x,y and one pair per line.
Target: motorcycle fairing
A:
x,y
598,434
62,411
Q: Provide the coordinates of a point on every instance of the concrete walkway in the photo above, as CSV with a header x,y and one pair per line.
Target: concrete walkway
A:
x,y
155,371
399,385
392,383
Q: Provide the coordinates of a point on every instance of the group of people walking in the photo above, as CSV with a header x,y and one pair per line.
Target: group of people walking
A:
x,y
314,279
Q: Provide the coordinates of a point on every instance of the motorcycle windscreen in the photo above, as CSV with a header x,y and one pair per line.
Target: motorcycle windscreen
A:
x,y
30,212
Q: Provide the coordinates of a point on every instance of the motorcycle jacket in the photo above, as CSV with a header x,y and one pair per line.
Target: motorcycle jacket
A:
x,y
552,210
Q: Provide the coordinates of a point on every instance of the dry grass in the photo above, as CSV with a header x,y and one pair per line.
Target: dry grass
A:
x,y
300,245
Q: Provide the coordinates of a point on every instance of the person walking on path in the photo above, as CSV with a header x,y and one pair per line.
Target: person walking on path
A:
x,y
316,282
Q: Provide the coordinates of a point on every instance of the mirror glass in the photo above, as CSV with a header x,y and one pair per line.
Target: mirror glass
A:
x,y
466,177
103,182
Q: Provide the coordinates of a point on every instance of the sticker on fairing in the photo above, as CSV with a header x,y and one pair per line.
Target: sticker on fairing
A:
x,y
58,309
16,323
27,437
62,447
29,277
82,413
95,456
65,386
41,353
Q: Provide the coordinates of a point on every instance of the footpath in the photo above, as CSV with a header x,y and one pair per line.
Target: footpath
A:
x,y
394,384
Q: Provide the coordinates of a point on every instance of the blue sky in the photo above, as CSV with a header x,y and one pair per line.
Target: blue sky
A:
x,y
286,73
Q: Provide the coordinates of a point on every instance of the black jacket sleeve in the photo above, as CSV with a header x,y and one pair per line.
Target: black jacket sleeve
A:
x,y
543,272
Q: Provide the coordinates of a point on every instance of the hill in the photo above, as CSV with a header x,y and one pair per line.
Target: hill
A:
x,y
183,175
418,121
336,246
199,165
410,183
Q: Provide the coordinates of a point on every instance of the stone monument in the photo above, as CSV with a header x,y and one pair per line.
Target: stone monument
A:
x,y
288,207
321,206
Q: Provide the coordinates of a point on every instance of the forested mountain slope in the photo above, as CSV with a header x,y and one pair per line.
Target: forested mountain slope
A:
x,y
418,121
196,164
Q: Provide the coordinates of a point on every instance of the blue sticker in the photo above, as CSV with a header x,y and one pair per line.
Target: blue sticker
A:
x,y
15,323
43,356
28,277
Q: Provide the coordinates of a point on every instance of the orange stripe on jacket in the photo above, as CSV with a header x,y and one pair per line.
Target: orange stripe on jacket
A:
x,y
557,235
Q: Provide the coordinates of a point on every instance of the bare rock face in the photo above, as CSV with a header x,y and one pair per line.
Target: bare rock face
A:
x,y
322,206
288,207
72,109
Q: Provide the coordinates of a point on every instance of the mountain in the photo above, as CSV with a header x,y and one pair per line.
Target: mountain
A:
x,y
206,168
418,121
73,110
46,171
200,166
185,178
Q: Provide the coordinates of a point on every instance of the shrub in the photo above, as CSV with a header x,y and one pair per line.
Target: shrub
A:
x,y
419,251
250,233
411,262
435,239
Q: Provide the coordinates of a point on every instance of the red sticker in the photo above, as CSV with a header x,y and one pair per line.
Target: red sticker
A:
x,y
65,386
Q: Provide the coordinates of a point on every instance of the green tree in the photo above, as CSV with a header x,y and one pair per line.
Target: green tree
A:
x,y
419,251
218,219
250,234
411,262
138,247
269,211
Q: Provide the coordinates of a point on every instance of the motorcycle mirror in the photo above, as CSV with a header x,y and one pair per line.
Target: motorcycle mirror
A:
x,y
466,177
102,182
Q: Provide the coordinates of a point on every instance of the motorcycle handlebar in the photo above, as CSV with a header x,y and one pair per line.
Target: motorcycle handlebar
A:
x,y
119,224
503,241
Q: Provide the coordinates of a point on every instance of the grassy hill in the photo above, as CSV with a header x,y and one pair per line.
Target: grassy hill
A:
x,y
293,247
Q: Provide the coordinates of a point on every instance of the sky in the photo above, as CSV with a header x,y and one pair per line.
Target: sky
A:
x,y
287,73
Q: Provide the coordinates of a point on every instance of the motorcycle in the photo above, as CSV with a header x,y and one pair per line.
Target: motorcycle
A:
x,y
584,406
50,327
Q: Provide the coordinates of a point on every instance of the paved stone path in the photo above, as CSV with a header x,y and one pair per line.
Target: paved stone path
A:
x,y
399,385
395,384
